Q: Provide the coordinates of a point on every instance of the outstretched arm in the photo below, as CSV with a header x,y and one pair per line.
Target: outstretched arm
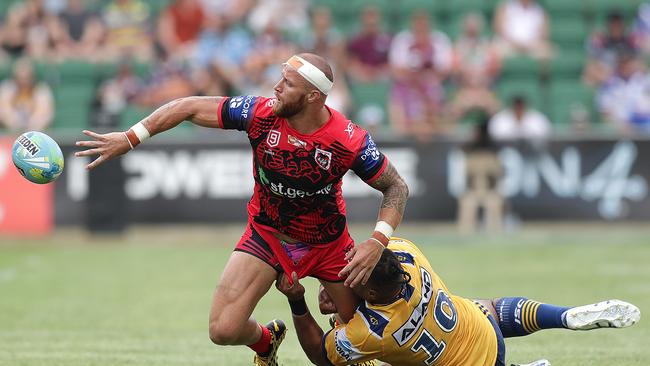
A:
x,y
365,256
202,111
310,334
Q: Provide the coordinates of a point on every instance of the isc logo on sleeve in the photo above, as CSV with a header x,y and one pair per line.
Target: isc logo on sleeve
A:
x,y
242,106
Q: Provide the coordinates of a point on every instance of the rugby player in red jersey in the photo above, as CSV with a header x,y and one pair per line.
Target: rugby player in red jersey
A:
x,y
297,221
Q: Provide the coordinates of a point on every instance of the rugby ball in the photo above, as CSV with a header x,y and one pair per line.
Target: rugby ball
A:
x,y
37,157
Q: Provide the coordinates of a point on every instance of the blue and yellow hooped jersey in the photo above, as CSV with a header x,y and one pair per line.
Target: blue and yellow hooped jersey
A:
x,y
425,326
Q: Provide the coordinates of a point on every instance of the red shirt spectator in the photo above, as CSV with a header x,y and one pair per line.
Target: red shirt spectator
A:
x,y
179,26
368,50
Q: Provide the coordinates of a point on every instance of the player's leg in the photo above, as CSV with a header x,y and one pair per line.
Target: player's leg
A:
x,y
487,308
248,275
244,281
519,316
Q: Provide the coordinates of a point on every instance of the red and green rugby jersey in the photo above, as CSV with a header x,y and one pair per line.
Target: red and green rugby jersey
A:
x,y
298,177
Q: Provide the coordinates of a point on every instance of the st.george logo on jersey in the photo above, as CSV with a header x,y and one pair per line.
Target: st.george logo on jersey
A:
x,y
323,158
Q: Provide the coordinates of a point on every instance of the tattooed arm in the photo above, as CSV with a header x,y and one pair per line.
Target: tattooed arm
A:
x,y
395,191
365,256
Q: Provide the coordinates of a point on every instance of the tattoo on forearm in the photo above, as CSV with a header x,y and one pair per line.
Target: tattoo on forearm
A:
x,y
395,190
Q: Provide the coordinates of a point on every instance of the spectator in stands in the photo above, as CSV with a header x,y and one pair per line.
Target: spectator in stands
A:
x,y
128,30
323,38
25,104
326,41
605,47
233,10
179,26
170,79
368,50
420,60
476,66
474,52
520,123
288,16
29,30
54,7
482,173
642,27
116,93
522,28
270,49
82,32
624,99
209,82
223,48
13,32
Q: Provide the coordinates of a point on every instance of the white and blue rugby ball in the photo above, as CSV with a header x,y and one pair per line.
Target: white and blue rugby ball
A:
x,y
37,157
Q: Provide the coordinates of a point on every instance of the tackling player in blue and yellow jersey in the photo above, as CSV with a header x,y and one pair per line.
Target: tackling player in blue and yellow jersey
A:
x,y
409,317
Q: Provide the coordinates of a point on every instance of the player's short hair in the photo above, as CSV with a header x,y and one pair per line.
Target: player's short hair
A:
x,y
388,273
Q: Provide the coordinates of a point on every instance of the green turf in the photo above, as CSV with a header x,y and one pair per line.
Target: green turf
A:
x,y
143,299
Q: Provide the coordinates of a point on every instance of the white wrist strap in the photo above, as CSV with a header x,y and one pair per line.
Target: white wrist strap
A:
x,y
384,228
136,134
141,131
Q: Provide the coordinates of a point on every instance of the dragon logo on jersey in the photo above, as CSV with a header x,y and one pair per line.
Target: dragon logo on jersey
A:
x,y
273,138
323,158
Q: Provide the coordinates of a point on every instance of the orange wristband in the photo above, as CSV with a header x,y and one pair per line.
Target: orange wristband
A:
x,y
132,137
380,238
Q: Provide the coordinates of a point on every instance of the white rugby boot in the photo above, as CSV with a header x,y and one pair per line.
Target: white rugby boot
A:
x,y
604,314
534,363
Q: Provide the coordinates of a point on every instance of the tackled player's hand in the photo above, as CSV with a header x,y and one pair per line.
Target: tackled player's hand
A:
x,y
291,288
107,146
363,259
325,303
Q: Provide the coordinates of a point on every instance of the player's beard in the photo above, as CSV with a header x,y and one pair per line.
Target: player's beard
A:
x,y
287,110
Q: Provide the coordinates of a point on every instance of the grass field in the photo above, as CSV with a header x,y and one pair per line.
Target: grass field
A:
x,y
143,298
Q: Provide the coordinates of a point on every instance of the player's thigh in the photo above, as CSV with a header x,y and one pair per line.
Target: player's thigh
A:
x,y
490,306
244,281
343,297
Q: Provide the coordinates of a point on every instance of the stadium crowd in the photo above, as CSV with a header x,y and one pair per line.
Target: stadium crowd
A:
x,y
394,74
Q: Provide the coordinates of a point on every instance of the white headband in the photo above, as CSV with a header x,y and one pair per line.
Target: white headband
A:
x,y
311,73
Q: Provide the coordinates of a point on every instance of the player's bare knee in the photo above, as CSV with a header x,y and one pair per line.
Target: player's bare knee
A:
x,y
223,334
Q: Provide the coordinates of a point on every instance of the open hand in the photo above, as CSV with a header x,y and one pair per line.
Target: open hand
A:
x,y
107,146
363,259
